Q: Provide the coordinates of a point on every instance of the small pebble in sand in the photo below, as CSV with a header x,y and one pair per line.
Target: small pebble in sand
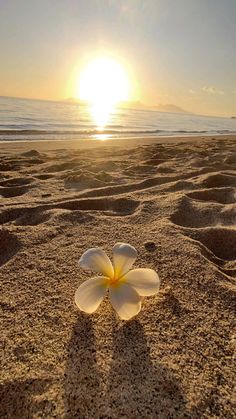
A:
x,y
150,246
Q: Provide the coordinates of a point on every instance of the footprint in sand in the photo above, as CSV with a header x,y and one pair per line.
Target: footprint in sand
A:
x,y
190,213
43,177
112,206
61,167
220,195
13,191
15,186
231,159
31,153
18,181
216,180
82,181
209,217
219,247
9,246
41,214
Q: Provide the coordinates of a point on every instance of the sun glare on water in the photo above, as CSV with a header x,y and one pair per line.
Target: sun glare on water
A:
x,y
103,83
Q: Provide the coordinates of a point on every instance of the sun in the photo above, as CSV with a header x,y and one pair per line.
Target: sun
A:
x,y
103,83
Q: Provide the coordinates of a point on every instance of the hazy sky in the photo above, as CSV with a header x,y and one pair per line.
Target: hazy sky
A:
x,y
177,51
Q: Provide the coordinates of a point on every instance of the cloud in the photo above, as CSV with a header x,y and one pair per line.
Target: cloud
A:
x,y
212,90
192,92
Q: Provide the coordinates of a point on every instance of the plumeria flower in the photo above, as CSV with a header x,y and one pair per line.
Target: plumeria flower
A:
x,y
125,286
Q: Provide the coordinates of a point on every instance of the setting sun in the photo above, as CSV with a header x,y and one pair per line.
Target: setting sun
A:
x,y
103,83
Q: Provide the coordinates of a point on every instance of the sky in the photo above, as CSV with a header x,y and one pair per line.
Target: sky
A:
x,y
181,52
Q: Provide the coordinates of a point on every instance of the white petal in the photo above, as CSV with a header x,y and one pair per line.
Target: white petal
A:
x,y
97,260
144,281
125,300
90,294
124,256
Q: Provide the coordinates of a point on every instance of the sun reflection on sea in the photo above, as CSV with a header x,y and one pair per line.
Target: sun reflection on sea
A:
x,y
101,113
103,84
102,137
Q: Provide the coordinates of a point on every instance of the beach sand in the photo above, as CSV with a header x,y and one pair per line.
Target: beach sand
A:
x,y
174,200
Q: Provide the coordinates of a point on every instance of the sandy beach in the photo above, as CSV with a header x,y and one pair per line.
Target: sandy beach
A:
x,y
174,201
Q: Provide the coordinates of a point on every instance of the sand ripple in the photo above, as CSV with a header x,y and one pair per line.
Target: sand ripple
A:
x,y
176,203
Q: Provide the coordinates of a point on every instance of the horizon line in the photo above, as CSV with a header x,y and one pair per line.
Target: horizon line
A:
x,y
148,107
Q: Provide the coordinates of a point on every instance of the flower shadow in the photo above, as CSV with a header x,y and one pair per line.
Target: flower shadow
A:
x,y
139,387
81,381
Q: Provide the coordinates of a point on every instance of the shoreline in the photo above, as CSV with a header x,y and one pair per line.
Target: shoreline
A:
x,y
14,145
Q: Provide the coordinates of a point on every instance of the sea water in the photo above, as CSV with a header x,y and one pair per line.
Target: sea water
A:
x,y
27,119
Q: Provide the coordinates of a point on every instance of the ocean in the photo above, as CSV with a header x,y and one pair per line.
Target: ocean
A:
x,y
27,119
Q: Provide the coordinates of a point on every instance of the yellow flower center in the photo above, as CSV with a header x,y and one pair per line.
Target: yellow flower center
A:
x,y
115,279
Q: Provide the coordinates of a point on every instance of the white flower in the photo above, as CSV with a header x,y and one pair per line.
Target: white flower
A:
x,y
125,287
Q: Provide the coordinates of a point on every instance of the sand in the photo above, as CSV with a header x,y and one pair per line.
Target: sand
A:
x,y
174,200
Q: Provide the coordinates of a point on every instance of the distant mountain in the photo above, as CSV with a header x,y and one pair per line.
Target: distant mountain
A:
x,y
132,104
168,107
